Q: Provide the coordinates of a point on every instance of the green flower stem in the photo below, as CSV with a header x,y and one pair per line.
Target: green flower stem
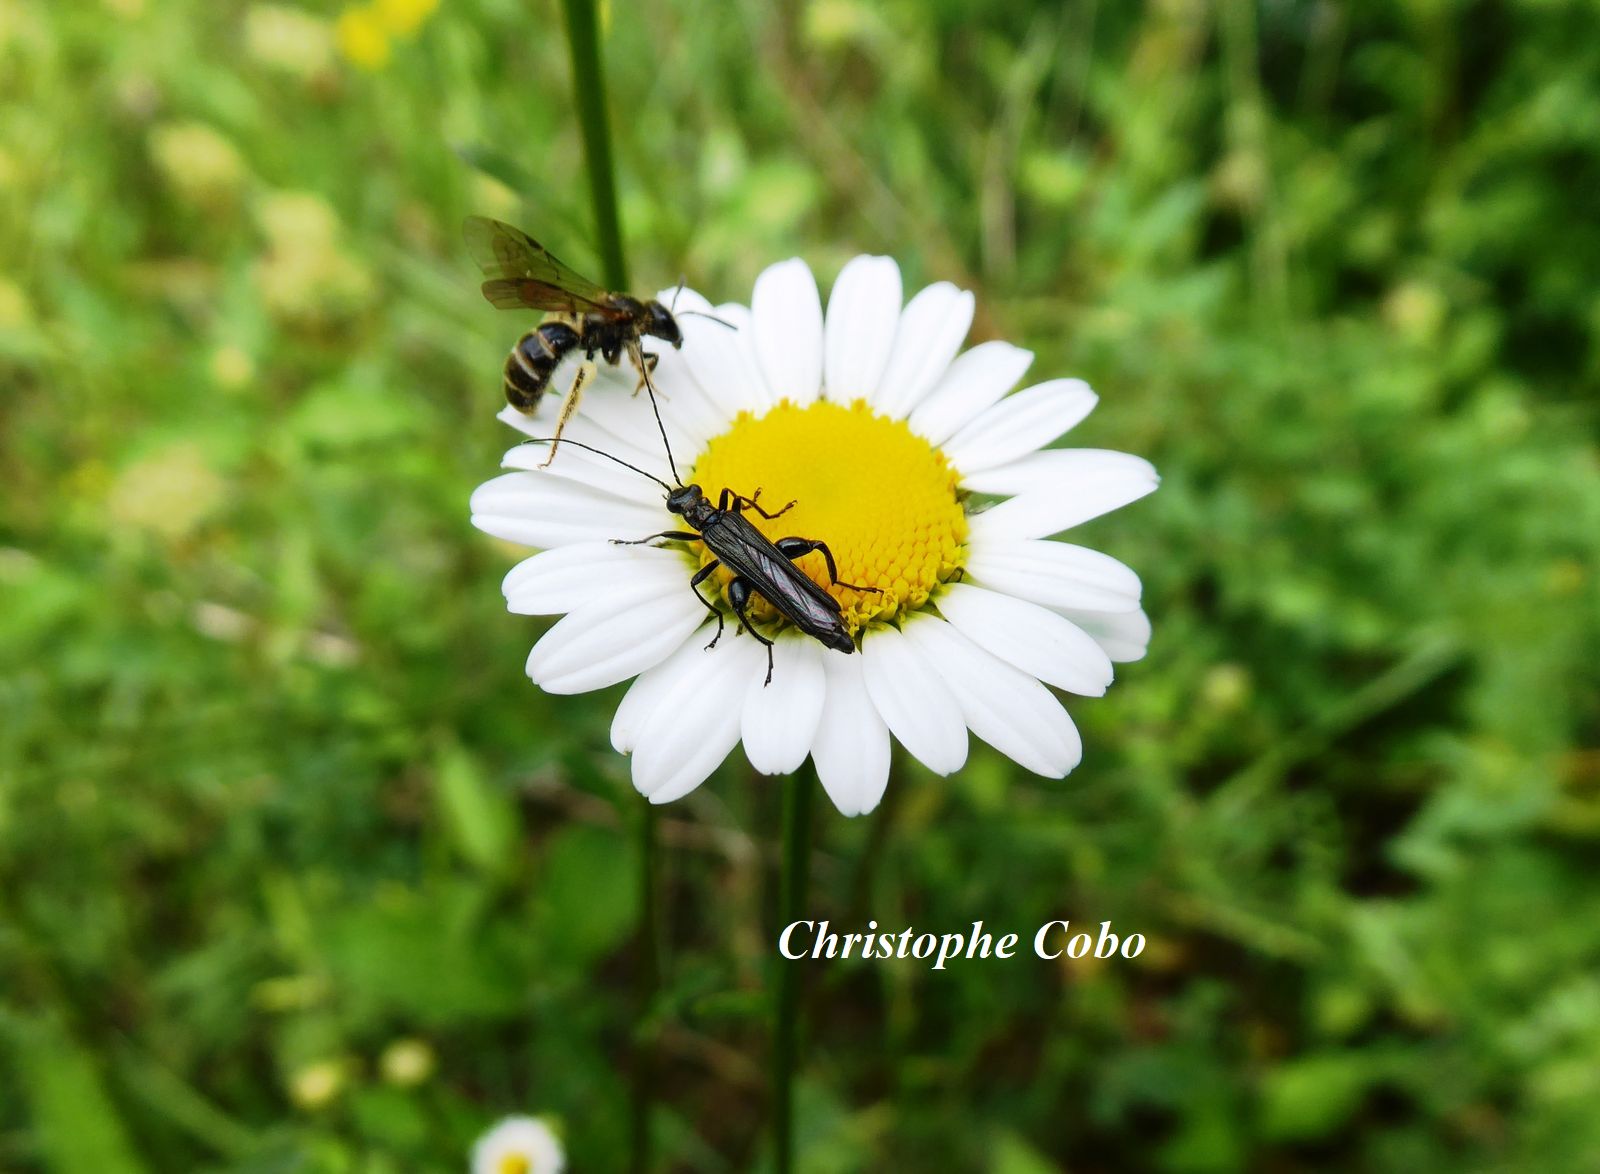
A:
x,y
796,877
589,94
647,978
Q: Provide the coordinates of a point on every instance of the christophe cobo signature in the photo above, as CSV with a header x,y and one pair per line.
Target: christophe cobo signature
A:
x,y
1053,939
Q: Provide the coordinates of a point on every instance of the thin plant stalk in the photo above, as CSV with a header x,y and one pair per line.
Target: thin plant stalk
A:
x,y
589,96
647,978
792,888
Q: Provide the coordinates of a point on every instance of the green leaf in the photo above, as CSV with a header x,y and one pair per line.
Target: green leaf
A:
x,y
482,821
1311,1097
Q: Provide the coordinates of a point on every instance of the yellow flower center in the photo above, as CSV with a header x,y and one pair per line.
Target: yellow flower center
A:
x,y
514,1164
883,499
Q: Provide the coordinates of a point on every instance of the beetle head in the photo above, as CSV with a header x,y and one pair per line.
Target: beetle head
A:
x,y
684,498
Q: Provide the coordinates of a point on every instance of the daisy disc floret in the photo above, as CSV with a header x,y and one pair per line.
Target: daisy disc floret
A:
x,y
929,481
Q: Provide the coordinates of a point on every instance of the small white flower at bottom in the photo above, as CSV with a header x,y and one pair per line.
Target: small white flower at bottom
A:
x,y
518,1145
885,439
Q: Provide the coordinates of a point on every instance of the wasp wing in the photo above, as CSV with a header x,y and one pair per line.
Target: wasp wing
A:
x,y
523,273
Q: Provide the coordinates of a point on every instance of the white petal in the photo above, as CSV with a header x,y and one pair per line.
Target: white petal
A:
x,y
851,746
678,298
1019,424
656,687
688,412
599,644
913,702
625,414
575,464
546,511
1035,639
1055,574
721,356
787,313
686,737
975,381
1006,707
570,577
1057,490
863,311
780,719
584,427
1124,635
931,331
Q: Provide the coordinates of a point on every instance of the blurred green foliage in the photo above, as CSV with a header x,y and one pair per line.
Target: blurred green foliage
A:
x,y
298,872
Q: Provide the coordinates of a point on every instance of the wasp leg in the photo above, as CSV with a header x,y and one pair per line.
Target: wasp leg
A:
x,y
674,535
568,406
700,577
793,548
645,365
739,596
741,502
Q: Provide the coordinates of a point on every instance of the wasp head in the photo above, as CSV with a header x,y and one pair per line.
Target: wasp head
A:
x,y
658,321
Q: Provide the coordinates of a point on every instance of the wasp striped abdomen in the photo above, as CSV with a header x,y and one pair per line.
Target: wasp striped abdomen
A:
x,y
533,360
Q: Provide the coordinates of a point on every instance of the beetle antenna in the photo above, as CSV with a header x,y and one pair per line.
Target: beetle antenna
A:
x,y
713,317
551,440
644,376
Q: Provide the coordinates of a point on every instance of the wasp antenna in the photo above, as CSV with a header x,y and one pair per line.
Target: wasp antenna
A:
x,y
713,317
683,279
600,452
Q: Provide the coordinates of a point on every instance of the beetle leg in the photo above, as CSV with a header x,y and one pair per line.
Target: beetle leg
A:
x,y
740,502
673,535
739,596
700,577
568,406
793,548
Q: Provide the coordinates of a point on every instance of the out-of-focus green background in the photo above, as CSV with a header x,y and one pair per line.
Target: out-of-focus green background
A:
x,y
298,871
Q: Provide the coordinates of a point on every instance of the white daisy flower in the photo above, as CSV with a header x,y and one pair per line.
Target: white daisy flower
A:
x,y
518,1145
893,448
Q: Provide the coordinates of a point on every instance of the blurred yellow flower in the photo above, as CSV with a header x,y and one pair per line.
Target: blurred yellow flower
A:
x,y
297,220
401,18
362,37
15,309
167,494
1415,310
407,1062
306,276
203,167
288,39
316,1085
231,367
366,30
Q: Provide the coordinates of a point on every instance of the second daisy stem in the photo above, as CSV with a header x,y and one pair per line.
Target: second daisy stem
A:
x,y
647,978
793,883
589,96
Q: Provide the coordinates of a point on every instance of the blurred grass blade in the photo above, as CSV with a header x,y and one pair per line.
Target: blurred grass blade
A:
x,y
75,1121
